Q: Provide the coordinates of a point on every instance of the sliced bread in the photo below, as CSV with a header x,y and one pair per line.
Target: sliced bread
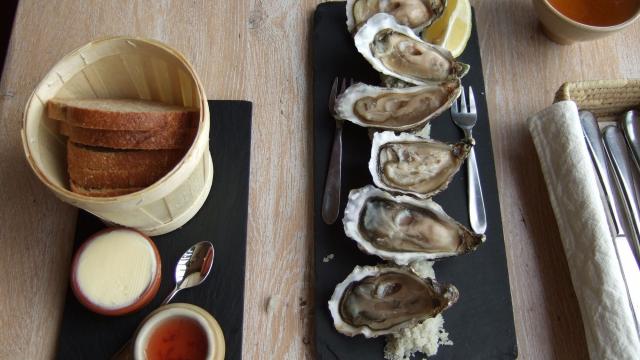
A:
x,y
120,114
162,138
108,171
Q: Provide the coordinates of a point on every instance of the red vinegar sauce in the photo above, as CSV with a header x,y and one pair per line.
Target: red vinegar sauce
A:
x,y
597,12
177,338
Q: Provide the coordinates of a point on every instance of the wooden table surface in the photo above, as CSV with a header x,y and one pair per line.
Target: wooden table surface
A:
x,y
259,50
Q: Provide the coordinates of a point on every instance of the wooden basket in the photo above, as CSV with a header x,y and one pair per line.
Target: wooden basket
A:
x,y
606,99
124,67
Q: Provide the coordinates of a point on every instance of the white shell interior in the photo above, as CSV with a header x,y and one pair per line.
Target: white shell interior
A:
x,y
357,198
345,103
364,37
351,23
358,273
381,138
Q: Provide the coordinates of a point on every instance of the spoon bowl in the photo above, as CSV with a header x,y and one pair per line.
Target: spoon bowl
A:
x,y
193,268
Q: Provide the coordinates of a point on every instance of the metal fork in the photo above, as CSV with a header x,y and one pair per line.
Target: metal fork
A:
x,y
331,199
466,119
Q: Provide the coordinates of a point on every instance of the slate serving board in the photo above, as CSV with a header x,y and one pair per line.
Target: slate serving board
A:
x,y
481,323
222,220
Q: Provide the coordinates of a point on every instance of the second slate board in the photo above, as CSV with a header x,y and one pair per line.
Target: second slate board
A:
x,y
481,323
221,220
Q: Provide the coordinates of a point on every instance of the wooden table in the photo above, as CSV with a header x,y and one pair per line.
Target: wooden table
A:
x,y
259,50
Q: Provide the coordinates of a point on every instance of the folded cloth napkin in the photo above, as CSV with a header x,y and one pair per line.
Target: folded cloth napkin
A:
x,y
588,243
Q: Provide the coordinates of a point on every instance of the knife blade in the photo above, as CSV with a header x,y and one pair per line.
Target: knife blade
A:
x,y
622,167
626,258
593,138
630,124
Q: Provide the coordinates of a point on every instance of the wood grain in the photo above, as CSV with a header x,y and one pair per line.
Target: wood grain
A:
x,y
259,51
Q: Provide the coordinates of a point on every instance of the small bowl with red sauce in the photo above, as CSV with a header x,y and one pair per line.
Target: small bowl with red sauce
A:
x,y
179,331
569,21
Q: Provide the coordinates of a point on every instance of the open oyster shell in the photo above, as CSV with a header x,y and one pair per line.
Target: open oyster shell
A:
x,y
375,301
394,108
395,50
416,14
414,165
404,229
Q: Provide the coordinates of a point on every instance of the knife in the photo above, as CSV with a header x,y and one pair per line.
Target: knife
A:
x,y
622,167
624,252
630,124
593,138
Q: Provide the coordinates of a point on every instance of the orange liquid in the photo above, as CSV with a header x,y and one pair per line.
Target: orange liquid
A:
x,y
177,338
597,12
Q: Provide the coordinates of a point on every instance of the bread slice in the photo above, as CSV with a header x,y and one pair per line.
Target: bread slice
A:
x,y
108,171
120,114
163,138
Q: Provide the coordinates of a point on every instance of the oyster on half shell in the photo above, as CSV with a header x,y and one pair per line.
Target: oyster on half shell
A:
x,y
395,50
394,108
375,301
414,165
404,229
416,14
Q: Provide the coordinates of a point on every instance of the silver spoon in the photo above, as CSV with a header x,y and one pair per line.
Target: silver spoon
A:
x,y
191,270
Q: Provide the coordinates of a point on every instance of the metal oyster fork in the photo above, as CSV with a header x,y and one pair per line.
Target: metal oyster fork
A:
x,y
331,199
465,119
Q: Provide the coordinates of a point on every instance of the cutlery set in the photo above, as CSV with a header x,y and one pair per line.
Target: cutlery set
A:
x,y
614,152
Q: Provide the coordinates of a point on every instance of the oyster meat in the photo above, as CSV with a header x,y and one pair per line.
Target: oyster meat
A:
x,y
395,50
404,229
413,165
396,109
416,14
375,301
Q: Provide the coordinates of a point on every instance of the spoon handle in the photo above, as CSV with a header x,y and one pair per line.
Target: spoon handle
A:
x,y
170,296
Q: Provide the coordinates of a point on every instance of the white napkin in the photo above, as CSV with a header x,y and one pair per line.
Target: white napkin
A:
x,y
575,197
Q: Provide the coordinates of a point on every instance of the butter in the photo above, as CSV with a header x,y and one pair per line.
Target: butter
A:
x,y
116,268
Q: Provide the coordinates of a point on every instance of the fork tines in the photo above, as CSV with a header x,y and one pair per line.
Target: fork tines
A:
x,y
463,103
335,92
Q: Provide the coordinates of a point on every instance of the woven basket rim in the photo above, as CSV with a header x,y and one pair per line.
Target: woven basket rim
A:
x,y
607,99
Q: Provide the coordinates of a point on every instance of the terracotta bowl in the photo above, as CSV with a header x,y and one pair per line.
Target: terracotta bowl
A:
x,y
563,30
147,295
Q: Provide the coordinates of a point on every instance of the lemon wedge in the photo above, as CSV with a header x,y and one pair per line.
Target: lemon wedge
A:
x,y
453,29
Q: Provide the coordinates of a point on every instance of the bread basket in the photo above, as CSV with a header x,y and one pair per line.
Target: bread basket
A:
x,y
124,67
606,99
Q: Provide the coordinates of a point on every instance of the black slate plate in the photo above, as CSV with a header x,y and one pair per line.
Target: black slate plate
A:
x,y
481,323
222,221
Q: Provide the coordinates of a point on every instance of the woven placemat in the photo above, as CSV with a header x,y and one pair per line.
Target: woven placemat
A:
x,y
606,99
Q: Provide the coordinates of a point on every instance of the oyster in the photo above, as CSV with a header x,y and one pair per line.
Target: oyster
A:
x,y
404,229
416,14
395,50
414,165
393,108
375,301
